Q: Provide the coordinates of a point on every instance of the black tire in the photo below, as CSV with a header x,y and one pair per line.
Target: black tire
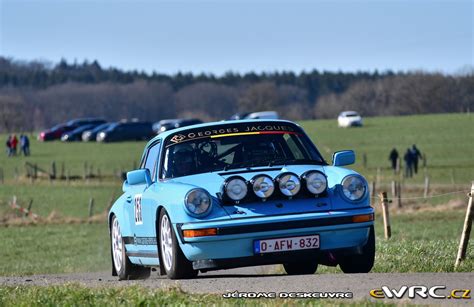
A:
x,y
127,270
181,268
300,268
360,263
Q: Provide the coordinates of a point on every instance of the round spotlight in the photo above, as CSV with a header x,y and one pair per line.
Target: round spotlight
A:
x,y
316,182
262,186
235,188
289,184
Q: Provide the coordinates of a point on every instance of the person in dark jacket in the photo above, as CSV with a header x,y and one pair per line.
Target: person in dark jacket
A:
x,y
393,157
9,145
416,154
408,157
24,145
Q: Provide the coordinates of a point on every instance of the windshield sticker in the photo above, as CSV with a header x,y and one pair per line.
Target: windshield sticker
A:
x,y
232,131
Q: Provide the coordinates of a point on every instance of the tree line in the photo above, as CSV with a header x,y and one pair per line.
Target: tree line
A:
x,y
34,95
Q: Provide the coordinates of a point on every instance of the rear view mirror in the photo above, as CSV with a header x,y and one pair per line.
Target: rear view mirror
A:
x,y
344,157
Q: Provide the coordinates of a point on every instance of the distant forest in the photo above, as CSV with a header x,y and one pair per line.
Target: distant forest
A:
x,y
34,95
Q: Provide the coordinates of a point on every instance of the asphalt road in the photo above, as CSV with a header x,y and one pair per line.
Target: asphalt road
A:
x,y
257,279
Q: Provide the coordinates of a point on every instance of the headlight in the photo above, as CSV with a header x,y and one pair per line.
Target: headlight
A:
x,y
197,202
235,188
289,184
263,186
353,187
316,182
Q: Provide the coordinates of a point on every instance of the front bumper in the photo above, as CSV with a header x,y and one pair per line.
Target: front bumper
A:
x,y
235,238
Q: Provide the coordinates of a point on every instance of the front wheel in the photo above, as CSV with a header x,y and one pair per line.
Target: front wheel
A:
x,y
300,268
360,263
122,265
173,260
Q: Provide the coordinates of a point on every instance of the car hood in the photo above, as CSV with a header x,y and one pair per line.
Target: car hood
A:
x,y
212,182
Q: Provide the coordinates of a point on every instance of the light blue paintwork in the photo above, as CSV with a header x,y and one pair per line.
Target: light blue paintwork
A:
x,y
169,195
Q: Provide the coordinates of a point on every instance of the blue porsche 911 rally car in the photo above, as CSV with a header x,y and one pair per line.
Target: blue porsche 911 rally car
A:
x,y
240,193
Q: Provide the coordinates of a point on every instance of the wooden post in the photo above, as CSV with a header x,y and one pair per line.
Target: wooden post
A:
x,y
399,165
364,160
99,174
427,186
399,194
29,207
466,232
84,174
91,207
374,189
394,191
62,171
53,170
386,217
35,171
425,162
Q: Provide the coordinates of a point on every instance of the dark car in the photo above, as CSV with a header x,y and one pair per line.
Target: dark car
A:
x,y
128,131
91,134
169,122
76,134
179,123
57,131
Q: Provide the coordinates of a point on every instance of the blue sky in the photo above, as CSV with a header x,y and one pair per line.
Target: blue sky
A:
x,y
260,35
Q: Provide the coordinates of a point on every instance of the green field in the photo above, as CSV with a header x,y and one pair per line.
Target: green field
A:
x,y
423,241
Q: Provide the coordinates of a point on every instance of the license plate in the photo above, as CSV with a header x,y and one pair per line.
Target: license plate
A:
x,y
286,244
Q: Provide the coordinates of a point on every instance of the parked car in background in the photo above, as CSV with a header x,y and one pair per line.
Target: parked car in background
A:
x,y
178,124
76,134
263,115
126,131
57,131
240,193
349,119
91,134
157,126
238,116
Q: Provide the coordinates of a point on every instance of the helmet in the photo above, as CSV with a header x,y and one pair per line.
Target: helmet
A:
x,y
182,160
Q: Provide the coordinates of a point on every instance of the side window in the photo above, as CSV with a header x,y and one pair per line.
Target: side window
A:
x,y
151,157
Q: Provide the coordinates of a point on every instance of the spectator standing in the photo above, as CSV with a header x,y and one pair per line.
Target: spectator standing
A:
x,y
408,157
416,154
25,145
13,144
9,146
393,157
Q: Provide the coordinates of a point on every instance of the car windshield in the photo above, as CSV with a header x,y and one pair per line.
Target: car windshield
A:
x,y
224,147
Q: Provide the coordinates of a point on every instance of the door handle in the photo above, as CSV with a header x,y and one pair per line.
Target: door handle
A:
x,y
129,199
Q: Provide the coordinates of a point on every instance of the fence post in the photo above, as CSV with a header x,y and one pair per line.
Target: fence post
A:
x,y
374,190
62,171
35,171
427,186
386,217
29,207
466,232
399,194
394,191
399,165
91,207
53,170
364,160
84,174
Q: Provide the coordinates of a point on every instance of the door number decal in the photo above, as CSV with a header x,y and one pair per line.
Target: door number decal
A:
x,y
138,209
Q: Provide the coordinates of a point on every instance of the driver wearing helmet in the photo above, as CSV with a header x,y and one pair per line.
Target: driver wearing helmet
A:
x,y
183,161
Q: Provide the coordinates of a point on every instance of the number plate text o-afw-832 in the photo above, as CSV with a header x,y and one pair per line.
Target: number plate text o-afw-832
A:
x,y
286,244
